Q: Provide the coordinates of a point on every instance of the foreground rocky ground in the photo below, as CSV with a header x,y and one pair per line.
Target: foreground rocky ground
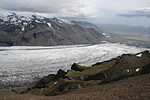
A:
x,y
132,88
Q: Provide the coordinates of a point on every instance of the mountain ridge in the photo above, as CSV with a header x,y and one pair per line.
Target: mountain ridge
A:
x,y
41,31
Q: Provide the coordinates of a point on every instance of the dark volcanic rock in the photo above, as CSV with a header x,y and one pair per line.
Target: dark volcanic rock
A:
x,y
60,74
50,78
77,67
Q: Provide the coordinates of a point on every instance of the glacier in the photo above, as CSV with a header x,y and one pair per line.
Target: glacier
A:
x,y
26,64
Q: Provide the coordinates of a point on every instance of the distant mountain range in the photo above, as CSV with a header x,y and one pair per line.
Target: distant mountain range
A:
x,y
18,30
130,35
126,28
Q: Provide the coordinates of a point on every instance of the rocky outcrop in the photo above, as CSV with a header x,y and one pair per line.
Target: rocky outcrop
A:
x,y
78,77
50,78
77,67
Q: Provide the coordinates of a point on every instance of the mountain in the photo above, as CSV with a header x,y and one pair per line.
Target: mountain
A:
x,y
36,30
130,35
126,28
87,25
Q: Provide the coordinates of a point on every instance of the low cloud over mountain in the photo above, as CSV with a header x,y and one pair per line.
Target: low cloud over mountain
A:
x,y
63,8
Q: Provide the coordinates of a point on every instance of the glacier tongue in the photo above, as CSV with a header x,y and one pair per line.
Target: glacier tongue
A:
x,y
23,64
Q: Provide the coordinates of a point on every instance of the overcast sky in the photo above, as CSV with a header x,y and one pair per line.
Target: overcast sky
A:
x,y
131,12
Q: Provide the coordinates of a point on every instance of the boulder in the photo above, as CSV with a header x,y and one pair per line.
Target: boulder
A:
x,y
60,74
50,78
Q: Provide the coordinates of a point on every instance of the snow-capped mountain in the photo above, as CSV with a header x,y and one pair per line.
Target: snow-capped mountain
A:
x,y
18,29
24,21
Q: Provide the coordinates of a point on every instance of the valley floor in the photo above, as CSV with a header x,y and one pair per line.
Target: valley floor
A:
x,y
133,88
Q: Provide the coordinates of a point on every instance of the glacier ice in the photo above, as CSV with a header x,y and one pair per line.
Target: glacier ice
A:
x,y
23,64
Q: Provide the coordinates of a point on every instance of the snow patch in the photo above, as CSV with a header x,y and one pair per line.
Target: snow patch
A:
x,y
55,83
139,55
63,21
104,42
49,24
23,28
38,21
25,23
137,69
106,35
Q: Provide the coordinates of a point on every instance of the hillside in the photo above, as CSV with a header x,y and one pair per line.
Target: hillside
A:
x,y
18,30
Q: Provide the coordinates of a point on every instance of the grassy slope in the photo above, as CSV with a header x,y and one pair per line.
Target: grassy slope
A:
x,y
91,71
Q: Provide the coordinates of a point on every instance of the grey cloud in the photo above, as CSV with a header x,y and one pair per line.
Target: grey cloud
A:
x,y
64,8
142,12
44,6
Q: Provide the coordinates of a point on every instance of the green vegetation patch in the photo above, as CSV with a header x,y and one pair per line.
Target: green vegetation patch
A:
x,y
91,71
